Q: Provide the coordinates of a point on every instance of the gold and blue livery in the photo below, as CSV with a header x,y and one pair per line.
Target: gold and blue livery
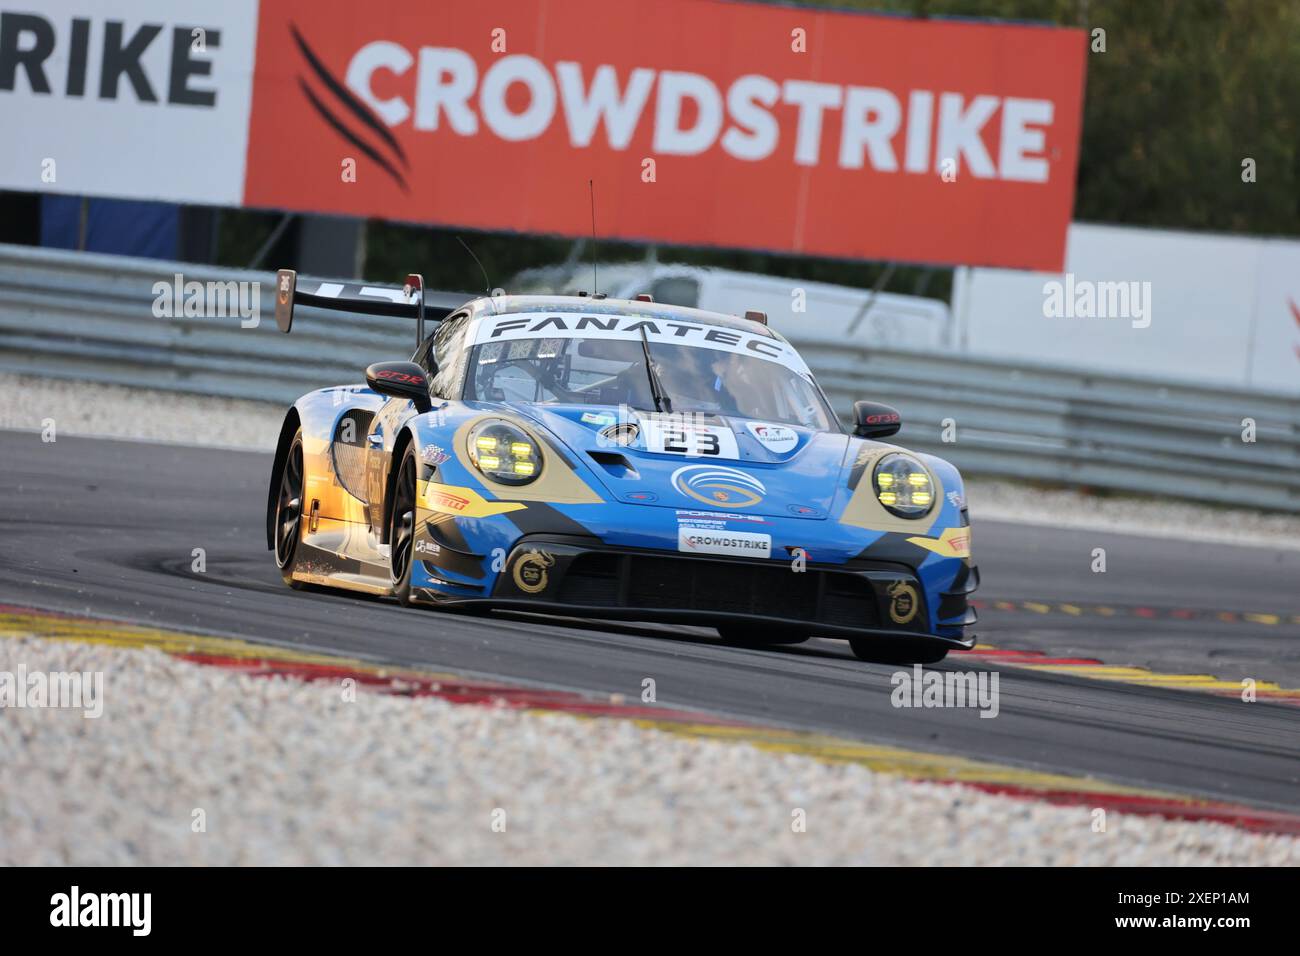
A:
x,y
617,459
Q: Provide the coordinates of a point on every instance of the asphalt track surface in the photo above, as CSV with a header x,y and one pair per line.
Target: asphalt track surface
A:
x,y
107,528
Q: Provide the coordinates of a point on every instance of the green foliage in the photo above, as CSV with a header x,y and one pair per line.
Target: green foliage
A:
x,y
446,265
1185,91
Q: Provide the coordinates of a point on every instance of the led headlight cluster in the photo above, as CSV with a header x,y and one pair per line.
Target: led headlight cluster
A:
x,y
504,453
904,486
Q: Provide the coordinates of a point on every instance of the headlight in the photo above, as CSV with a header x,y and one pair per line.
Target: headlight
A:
x,y
904,486
504,453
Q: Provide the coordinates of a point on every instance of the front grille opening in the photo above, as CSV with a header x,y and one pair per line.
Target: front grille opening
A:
x,y
850,601
592,579
692,584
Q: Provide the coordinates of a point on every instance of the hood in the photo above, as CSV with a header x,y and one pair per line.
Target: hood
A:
x,y
718,463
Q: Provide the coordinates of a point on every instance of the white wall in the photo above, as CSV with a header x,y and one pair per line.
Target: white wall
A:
x,y
70,140
1220,308
894,321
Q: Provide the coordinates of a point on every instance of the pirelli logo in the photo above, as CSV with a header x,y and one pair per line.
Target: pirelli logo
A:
x,y
448,502
457,502
953,543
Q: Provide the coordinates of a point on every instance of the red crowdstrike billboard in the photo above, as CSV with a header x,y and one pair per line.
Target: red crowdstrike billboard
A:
x,y
701,122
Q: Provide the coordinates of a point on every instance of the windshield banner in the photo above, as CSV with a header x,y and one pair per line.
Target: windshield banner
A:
x,y
546,325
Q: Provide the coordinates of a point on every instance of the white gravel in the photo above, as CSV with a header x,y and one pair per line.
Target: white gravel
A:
x,y
78,408
115,411
290,773
1181,520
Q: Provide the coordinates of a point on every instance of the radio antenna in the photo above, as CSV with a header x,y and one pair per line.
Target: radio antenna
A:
x,y
595,284
487,283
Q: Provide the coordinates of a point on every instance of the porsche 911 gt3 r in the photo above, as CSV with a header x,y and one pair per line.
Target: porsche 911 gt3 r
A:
x,y
617,459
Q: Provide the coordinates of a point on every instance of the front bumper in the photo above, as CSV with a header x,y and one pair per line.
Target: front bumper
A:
x,y
581,576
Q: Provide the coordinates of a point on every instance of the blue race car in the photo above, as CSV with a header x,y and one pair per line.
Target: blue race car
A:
x,y
617,459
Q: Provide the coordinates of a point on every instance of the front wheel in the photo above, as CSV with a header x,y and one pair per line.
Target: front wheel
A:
x,y
288,512
889,650
760,635
401,528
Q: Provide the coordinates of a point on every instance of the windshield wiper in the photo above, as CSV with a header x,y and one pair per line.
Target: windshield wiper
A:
x,y
662,402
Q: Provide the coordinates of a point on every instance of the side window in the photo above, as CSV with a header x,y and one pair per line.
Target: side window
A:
x,y
436,343
445,348
421,357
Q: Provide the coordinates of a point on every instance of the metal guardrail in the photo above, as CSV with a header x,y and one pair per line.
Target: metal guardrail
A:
x,y
1053,424
90,317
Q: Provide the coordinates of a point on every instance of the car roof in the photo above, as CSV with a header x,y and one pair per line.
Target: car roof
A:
x,y
564,279
508,304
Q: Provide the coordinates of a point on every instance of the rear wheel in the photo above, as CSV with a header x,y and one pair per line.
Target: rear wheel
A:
x,y
401,527
760,635
288,512
889,650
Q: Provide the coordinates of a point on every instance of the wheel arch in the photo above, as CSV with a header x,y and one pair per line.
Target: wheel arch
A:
x,y
405,438
292,422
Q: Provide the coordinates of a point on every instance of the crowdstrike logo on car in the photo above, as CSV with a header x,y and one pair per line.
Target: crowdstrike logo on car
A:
x,y
745,544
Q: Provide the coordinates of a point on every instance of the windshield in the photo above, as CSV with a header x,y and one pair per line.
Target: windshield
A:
x,y
694,378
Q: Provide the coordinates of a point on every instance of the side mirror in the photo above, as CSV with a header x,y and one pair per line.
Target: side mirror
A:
x,y
873,420
400,380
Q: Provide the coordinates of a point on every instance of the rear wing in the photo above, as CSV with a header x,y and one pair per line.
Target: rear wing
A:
x,y
407,301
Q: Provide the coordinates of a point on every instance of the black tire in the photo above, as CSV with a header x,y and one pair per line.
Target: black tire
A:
x,y
890,650
401,527
760,635
288,512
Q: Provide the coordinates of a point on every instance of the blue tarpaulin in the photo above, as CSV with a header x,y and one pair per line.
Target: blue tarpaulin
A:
x,y
124,227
